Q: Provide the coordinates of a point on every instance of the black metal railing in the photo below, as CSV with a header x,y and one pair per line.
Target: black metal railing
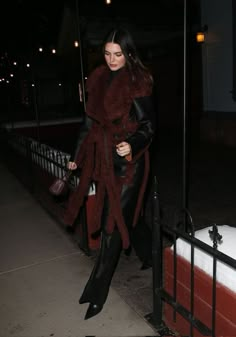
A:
x,y
160,294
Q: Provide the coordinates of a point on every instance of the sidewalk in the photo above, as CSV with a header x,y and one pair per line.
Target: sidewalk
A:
x,y
42,274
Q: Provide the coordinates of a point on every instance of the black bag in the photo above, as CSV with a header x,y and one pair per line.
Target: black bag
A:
x,y
61,185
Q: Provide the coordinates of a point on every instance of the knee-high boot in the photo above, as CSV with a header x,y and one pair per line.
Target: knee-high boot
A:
x,y
97,287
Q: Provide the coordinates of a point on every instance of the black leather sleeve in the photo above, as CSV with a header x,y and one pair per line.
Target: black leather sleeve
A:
x,y
143,110
83,131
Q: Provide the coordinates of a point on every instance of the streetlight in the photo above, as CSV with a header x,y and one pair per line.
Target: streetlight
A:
x,y
76,44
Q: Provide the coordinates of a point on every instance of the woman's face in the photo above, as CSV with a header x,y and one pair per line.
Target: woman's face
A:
x,y
114,57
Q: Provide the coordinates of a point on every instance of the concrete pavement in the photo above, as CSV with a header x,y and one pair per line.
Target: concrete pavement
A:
x,y
42,274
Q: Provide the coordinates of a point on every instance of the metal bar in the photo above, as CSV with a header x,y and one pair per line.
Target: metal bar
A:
x,y
175,276
201,327
214,297
35,104
214,234
155,318
192,289
200,244
184,173
29,164
156,257
81,52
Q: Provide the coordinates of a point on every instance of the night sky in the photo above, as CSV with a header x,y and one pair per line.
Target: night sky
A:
x,y
25,24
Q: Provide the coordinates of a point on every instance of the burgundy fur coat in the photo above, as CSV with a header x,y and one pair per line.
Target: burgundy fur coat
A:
x,y
108,106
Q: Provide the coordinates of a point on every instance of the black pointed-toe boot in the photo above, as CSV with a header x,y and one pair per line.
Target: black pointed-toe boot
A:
x,y
93,310
83,300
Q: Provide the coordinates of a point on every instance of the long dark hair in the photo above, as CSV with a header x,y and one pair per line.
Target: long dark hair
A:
x,y
134,64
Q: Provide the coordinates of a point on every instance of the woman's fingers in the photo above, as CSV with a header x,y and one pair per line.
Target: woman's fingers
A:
x,y
123,149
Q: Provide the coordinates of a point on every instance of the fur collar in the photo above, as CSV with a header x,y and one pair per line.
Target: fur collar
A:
x,y
112,100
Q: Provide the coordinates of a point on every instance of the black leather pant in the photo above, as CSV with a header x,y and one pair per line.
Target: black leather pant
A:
x,y
97,287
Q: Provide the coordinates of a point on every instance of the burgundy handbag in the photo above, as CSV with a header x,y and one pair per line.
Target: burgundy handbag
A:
x,y
60,185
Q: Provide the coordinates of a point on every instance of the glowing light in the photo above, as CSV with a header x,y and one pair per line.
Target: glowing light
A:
x,y
54,51
200,37
108,2
15,63
28,65
11,75
76,44
40,49
201,34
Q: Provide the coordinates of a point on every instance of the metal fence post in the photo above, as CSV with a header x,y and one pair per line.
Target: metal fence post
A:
x,y
29,164
156,256
155,317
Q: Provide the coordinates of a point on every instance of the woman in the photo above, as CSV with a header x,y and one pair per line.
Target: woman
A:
x,y
112,150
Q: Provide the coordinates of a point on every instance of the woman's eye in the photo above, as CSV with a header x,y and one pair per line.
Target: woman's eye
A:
x,y
115,54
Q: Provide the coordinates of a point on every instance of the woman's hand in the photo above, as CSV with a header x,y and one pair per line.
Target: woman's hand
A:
x,y
71,165
123,149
